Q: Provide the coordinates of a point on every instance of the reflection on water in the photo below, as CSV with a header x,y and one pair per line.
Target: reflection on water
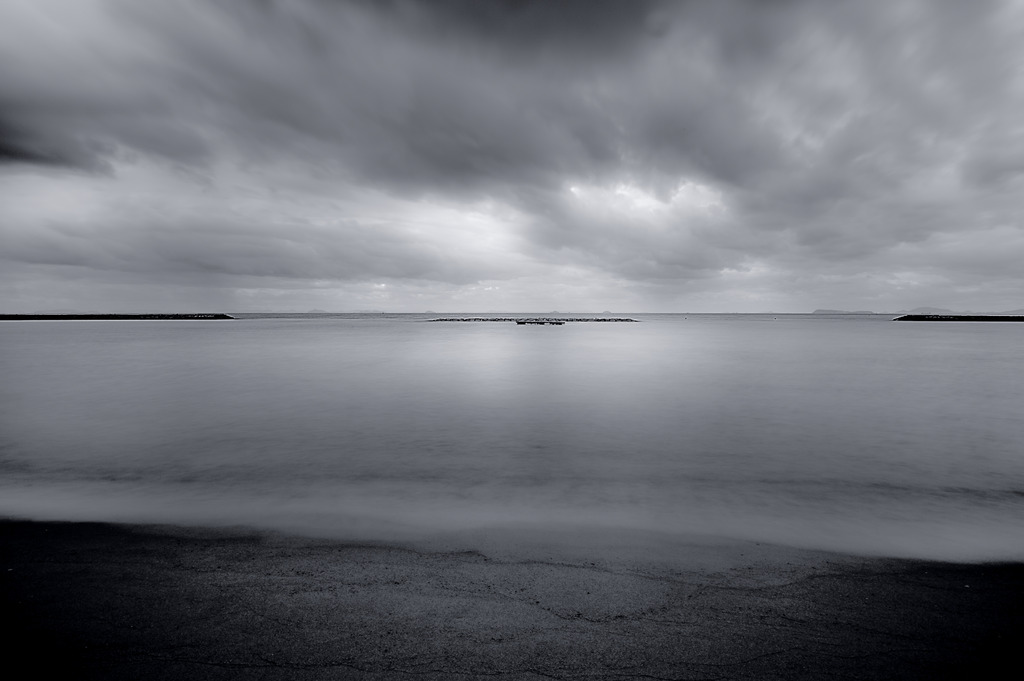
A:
x,y
853,434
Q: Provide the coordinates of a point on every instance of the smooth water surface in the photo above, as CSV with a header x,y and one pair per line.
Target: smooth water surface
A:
x,y
851,433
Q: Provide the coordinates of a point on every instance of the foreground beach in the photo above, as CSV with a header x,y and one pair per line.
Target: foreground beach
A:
x,y
99,601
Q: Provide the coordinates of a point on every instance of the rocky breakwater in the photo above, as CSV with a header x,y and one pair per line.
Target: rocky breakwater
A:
x,y
533,320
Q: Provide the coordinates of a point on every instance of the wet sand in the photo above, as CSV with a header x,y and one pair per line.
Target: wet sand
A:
x,y
99,601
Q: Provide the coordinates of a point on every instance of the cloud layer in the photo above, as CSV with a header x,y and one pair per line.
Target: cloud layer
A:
x,y
706,155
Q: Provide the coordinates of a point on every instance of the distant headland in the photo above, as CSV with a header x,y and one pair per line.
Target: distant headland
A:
x,y
107,317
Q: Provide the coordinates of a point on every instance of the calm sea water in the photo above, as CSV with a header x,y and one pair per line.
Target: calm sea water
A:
x,y
851,433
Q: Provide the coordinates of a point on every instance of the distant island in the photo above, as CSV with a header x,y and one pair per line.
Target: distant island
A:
x,y
107,317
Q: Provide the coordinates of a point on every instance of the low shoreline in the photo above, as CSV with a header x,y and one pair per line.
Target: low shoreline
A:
x,y
108,317
128,602
959,318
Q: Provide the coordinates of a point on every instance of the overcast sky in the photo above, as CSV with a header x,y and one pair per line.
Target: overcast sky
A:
x,y
714,155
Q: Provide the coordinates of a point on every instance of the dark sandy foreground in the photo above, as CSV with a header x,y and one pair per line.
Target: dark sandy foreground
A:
x,y
91,601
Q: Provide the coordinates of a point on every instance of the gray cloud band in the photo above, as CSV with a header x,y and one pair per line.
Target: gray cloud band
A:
x,y
831,133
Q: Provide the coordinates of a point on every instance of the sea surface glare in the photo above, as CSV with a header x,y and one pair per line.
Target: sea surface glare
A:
x,y
849,433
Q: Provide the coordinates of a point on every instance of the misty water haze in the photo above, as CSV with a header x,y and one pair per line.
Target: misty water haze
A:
x,y
850,433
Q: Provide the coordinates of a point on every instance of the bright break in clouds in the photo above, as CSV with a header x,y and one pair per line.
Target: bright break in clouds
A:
x,y
714,155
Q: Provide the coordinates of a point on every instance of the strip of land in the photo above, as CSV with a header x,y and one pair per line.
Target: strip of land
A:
x,y
959,318
106,317
98,601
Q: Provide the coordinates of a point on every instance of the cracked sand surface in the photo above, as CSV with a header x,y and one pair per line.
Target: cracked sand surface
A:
x,y
117,602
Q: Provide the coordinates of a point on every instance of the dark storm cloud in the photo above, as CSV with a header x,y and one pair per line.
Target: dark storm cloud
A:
x,y
590,29
19,144
829,132
417,93
16,147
